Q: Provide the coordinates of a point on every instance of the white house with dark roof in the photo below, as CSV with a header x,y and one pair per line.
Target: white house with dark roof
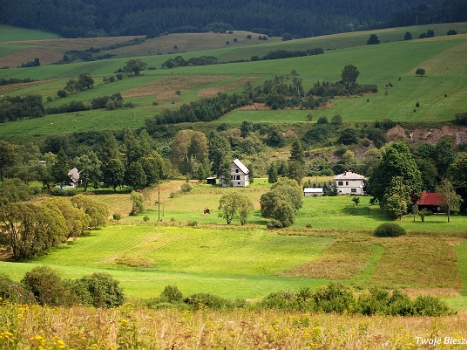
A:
x,y
238,175
350,183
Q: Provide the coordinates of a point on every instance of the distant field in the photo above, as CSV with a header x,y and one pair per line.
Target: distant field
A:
x,y
8,33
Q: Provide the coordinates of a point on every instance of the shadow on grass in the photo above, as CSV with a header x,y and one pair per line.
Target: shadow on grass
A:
x,y
374,213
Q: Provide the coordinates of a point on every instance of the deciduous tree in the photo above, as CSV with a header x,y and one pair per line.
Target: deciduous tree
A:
x,y
451,199
349,74
235,205
396,161
134,66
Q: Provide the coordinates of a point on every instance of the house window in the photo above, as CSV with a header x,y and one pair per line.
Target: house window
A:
x,y
346,183
236,170
238,183
340,183
353,190
238,177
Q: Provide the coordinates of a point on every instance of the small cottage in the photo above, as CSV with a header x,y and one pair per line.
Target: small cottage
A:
x,y
431,201
350,183
211,180
73,174
238,175
313,192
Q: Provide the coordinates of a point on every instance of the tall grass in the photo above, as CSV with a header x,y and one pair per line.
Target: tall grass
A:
x,y
129,327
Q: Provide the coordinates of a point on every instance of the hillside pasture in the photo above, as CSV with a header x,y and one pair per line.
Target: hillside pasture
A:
x,y
8,34
440,96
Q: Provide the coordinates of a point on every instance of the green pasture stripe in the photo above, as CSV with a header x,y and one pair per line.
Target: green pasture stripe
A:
x,y
461,251
8,33
363,278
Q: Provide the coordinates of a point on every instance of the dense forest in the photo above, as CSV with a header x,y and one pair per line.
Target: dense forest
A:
x,y
302,18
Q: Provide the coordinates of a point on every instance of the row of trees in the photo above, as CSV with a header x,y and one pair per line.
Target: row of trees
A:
x,y
29,229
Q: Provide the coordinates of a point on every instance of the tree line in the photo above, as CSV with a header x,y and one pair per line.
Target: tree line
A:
x,y
88,18
30,229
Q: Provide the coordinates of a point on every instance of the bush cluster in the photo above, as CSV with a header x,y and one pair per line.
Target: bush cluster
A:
x,y
171,297
44,286
336,298
389,230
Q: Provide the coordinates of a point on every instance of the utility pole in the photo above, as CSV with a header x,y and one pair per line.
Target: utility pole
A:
x,y
159,203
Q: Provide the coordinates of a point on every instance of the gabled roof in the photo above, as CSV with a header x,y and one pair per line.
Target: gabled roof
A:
x,y
240,165
74,175
313,190
348,175
431,199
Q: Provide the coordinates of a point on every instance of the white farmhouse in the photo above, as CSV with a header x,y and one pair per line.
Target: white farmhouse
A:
x,y
350,183
238,175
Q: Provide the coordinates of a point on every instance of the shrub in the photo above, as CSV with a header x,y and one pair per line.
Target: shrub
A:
x,y
117,216
14,292
171,294
186,187
451,32
272,224
461,118
279,300
201,301
322,120
47,287
427,305
192,223
400,304
138,203
334,298
99,290
146,218
389,230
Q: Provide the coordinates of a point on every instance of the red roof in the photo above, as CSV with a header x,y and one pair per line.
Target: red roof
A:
x,y
433,199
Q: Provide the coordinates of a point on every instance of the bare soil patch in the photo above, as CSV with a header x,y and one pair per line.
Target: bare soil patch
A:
x,y
50,51
228,86
418,262
459,133
45,56
341,261
166,89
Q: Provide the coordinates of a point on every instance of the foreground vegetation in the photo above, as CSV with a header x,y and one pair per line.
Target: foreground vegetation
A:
x,y
131,327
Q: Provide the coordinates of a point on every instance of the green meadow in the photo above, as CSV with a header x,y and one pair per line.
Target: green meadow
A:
x,y
8,33
331,241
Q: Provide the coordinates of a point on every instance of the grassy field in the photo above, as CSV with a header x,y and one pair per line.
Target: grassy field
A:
x,y
249,261
8,33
